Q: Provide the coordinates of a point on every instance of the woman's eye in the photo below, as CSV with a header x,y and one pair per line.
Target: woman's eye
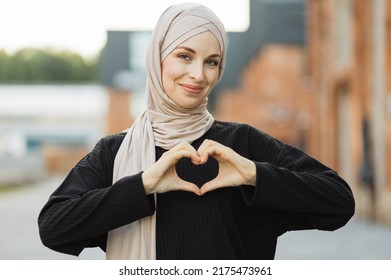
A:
x,y
185,57
212,62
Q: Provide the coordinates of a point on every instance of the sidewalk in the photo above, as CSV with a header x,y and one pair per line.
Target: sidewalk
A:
x,y
19,210
358,240
17,171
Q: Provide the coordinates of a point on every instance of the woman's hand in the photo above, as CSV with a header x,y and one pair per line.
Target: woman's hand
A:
x,y
234,170
162,176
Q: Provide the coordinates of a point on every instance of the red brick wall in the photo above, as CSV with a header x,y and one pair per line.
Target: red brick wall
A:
x,y
118,113
272,96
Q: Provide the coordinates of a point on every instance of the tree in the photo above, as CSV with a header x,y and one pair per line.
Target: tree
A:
x,y
46,66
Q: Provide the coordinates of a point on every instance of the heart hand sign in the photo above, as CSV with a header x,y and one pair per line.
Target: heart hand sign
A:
x,y
234,170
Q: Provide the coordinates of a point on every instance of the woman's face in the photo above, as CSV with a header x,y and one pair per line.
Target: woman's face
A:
x,y
191,70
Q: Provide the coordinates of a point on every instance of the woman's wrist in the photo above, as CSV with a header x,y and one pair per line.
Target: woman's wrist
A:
x,y
252,174
146,182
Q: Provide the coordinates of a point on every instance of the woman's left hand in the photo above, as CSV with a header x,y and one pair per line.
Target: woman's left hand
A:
x,y
234,169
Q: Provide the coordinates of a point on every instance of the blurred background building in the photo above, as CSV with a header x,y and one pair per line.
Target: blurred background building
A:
x,y
349,63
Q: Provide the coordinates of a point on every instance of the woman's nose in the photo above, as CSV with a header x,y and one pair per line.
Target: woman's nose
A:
x,y
197,71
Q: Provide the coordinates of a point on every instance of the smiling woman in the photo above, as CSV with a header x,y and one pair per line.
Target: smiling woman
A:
x,y
181,185
191,70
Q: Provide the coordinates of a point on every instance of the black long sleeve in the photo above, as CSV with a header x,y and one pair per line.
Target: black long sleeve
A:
x,y
85,206
296,183
293,192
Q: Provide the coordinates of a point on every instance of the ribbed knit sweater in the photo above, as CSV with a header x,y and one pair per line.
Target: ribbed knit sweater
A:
x,y
293,192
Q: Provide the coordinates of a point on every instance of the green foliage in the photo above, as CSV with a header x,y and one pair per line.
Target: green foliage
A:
x,y
31,65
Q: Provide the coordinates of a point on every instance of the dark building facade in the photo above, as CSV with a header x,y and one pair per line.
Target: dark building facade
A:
x,y
277,22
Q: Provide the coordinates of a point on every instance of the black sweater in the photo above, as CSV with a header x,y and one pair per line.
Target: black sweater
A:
x,y
293,192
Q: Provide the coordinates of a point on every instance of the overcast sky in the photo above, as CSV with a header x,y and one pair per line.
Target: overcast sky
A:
x,y
81,25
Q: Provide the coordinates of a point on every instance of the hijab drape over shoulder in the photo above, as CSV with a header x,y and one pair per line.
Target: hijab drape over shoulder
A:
x,y
164,123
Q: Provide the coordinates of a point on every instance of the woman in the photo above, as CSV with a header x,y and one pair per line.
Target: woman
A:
x,y
181,185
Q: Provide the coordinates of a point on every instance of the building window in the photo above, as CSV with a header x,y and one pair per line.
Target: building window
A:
x,y
138,42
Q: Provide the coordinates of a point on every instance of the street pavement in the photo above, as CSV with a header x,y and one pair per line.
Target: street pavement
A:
x,y
19,238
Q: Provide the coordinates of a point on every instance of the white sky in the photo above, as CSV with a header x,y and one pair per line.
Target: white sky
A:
x,y
81,25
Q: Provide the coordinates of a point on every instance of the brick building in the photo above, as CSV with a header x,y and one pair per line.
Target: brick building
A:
x,y
349,61
273,96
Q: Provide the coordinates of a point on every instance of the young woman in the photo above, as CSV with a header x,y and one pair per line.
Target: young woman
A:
x,y
181,185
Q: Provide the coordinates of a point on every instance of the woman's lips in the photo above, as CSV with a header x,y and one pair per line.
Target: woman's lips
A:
x,y
192,89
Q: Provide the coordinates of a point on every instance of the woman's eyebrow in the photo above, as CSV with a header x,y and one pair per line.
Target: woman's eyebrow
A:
x,y
193,51
186,48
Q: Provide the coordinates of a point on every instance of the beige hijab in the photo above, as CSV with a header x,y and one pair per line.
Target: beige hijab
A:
x,y
164,123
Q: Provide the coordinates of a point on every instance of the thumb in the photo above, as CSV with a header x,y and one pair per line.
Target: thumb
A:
x,y
210,186
189,187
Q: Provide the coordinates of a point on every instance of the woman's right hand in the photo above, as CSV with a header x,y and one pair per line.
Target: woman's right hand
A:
x,y
162,176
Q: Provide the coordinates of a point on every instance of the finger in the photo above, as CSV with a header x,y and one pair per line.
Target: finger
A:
x,y
188,151
210,186
184,146
192,155
206,149
189,187
184,151
213,151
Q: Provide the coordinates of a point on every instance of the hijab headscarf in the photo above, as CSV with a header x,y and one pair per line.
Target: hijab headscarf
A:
x,y
164,123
